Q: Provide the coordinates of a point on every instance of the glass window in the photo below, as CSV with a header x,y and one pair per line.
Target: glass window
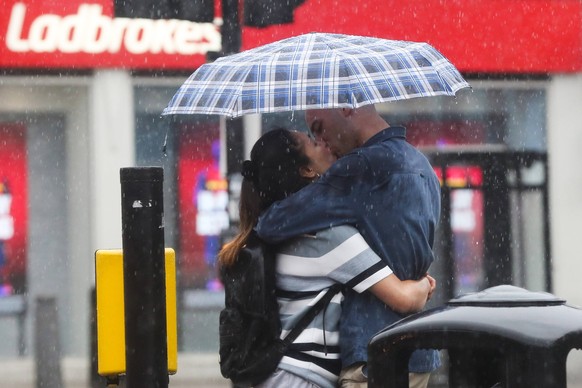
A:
x,y
512,116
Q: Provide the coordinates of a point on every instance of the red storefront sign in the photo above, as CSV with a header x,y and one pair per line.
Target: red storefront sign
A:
x,y
84,34
494,36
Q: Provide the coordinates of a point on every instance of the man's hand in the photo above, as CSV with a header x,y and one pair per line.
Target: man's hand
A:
x,y
432,283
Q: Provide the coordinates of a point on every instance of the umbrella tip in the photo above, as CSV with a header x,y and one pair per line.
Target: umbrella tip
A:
x,y
165,145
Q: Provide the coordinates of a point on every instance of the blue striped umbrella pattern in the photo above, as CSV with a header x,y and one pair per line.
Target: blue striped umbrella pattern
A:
x,y
316,71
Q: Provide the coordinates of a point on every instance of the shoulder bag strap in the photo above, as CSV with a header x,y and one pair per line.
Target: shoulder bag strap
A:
x,y
311,313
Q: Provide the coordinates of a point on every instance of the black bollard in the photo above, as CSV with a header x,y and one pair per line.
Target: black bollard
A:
x,y
144,277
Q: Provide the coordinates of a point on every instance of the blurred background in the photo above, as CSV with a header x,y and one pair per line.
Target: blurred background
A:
x,y
82,87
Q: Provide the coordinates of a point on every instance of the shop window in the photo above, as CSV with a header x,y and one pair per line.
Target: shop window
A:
x,y
13,209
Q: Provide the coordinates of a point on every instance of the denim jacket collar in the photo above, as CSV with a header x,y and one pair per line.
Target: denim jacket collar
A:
x,y
386,134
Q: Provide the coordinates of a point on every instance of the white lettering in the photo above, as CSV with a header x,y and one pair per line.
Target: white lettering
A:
x,y
44,32
89,31
97,30
13,41
71,31
163,36
194,38
116,41
187,37
213,36
138,36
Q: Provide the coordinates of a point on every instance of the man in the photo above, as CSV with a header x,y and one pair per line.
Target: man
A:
x,y
389,191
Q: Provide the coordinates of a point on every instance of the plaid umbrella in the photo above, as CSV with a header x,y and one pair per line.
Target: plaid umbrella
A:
x,y
316,71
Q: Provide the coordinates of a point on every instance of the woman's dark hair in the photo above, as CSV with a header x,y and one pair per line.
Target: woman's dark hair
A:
x,y
270,175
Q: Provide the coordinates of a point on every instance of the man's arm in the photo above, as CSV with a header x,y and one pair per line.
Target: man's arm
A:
x,y
330,201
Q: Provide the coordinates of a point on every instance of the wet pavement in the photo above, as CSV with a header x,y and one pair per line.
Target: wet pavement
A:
x,y
194,371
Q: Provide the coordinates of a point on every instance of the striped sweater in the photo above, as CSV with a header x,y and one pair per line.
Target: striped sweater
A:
x,y
306,268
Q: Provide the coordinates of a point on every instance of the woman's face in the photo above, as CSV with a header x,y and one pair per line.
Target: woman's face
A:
x,y
320,156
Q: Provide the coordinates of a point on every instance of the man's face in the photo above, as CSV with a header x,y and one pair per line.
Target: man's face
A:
x,y
332,127
319,155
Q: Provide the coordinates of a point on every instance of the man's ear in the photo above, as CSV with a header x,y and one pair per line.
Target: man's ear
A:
x,y
346,112
307,172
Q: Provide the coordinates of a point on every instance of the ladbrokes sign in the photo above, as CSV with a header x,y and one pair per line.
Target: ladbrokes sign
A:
x,y
84,34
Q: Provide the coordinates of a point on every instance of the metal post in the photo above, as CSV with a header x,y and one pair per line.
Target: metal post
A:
x,y
231,28
95,381
496,213
231,43
144,277
21,336
47,346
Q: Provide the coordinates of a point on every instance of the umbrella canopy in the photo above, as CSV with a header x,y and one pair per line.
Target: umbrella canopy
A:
x,y
316,71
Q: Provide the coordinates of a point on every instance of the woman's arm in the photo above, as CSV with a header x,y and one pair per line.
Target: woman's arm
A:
x,y
347,257
404,296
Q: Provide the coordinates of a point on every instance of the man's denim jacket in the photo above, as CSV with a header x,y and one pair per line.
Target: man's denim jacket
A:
x,y
390,192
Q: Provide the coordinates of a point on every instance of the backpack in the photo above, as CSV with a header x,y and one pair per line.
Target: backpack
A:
x,y
249,326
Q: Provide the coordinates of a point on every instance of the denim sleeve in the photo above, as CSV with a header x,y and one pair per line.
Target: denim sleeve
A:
x,y
325,203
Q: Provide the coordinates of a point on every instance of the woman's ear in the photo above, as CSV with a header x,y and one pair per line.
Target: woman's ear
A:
x,y
307,172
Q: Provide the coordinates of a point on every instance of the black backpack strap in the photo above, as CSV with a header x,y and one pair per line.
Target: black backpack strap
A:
x,y
311,313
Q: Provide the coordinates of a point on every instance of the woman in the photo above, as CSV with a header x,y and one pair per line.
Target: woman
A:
x,y
282,162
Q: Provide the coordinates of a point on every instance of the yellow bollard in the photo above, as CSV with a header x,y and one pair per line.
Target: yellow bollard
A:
x,y
110,311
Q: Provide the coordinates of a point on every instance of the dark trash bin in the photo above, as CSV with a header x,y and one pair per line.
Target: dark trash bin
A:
x,y
504,336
